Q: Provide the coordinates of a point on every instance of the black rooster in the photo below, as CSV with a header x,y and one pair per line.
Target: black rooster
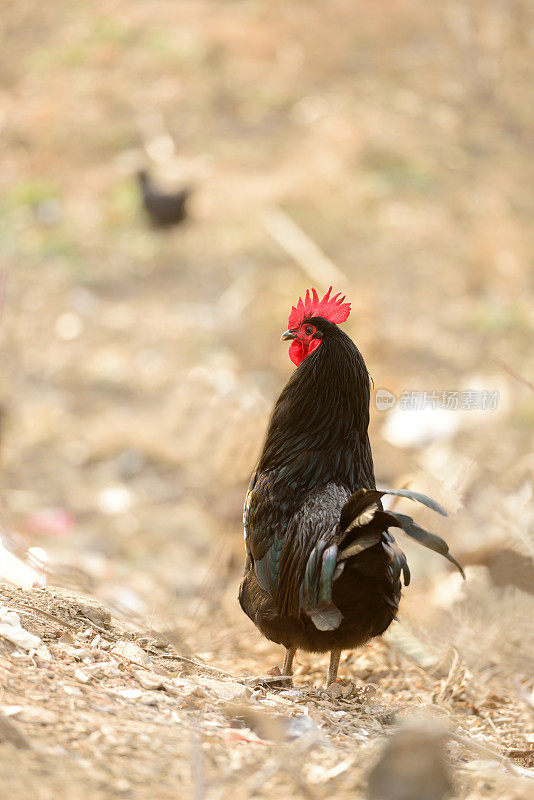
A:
x,y
322,570
164,208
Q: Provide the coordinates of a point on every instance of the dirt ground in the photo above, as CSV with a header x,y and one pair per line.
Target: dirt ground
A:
x,y
100,708
138,369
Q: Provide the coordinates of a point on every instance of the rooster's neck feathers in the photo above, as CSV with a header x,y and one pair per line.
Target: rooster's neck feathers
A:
x,y
318,429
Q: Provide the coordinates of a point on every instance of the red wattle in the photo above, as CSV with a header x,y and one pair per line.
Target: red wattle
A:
x,y
296,352
299,350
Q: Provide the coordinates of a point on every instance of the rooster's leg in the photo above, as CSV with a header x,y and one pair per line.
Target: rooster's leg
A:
x,y
332,668
287,669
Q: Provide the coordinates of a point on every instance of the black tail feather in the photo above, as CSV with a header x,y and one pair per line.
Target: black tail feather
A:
x,y
420,498
424,537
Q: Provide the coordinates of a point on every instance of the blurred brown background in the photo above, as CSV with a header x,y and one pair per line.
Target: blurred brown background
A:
x,y
138,367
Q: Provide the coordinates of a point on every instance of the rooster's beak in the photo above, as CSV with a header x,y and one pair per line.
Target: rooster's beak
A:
x,y
287,335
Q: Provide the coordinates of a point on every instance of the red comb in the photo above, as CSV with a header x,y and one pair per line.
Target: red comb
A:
x,y
331,308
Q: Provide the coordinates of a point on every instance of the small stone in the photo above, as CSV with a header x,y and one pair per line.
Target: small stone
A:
x,y
11,711
225,690
97,614
72,690
149,680
108,668
82,676
42,655
37,716
150,698
182,687
129,694
17,635
131,652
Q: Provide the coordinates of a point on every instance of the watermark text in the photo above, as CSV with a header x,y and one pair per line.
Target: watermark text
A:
x,y
449,400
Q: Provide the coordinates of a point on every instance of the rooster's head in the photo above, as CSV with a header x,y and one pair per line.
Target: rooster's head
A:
x,y
305,335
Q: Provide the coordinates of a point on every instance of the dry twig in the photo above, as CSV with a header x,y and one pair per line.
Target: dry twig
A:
x,y
507,368
302,248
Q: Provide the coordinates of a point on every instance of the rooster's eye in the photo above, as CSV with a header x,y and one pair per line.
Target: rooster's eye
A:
x,y
308,330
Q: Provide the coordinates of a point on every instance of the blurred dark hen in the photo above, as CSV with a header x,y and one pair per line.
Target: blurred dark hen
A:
x,y
322,570
164,208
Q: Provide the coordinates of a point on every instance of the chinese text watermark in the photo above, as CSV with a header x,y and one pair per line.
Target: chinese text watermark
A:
x,y
450,400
